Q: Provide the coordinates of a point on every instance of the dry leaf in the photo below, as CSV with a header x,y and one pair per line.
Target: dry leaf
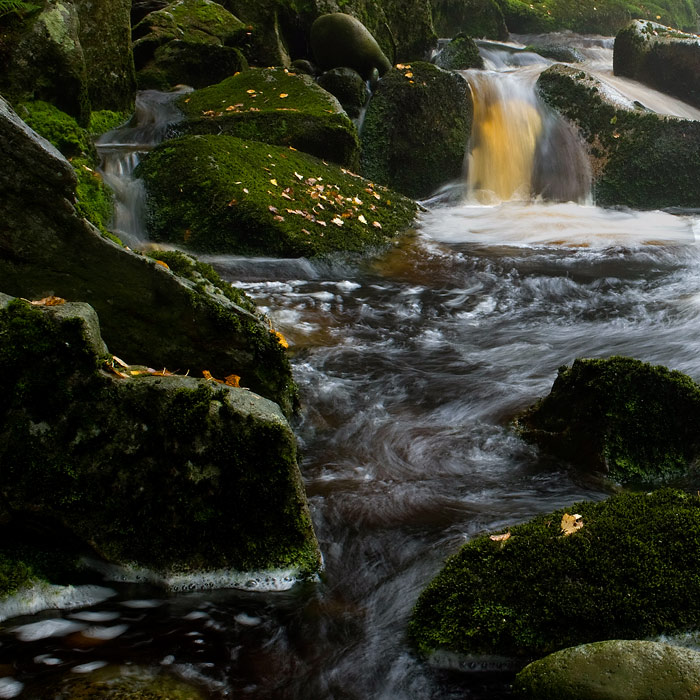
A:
x,y
500,538
49,301
376,224
163,264
273,182
232,380
571,523
362,219
283,95
280,338
119,361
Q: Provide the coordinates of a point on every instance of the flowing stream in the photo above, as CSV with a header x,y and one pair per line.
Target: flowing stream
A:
x,y
411,367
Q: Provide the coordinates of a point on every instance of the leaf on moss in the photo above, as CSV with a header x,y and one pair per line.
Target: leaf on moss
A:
x,y
280,338
162,264
500,538
119,361
571,523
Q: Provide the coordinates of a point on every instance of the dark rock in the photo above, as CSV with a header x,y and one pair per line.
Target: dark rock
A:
x,y
557,52
475,18
301,65
416,129
460,54
348,86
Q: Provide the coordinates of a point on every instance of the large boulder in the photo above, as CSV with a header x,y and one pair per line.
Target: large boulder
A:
x,y
623,568
613,670
461,53
174,474
477,18
74,53
226,195
273,105
416,129
628,419
149,314
663,58
639,159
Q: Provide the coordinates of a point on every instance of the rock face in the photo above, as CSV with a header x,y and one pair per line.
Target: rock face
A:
x,y
639,159
75,54
477,18
628,419
663,58
274,106
223,194
625,571
149,314
173,473
416,129
612,670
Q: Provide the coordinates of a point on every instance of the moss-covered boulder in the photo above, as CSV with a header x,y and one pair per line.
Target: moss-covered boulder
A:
x,y
461,53
626,570
348,87
557,52
223,194
416,129
476,18
612,670
193,42
149,314
663,58
176,474
639,159
274,106
75,54
628,419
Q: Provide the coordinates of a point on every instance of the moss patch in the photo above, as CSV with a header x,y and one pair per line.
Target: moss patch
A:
x,y
274,106
460,54
477,18
222,194
629,572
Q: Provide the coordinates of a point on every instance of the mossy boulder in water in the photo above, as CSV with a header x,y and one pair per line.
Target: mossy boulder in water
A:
x,y
626,570
223,194
274,106
663,58
348,87
639,159
612,670
626,418
477,18
176,474
149,314
416,129
338,39
460,54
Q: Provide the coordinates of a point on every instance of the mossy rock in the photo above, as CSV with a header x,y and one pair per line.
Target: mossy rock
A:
x,y
663,58
628,572
274,106
416,129
460,54
348,87
475,18
223,194
612,670
628,419
639,159
557,52
207,471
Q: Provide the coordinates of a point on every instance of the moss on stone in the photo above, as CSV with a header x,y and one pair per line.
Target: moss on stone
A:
x,y
476,18
62,130
105,120
416,129
274,106
222,194
629,572
460,54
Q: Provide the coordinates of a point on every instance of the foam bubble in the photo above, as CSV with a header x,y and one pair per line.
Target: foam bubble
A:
x,y
89,667
44,629
10,688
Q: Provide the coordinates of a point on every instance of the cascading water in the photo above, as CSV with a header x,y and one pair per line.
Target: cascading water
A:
x,y
410,368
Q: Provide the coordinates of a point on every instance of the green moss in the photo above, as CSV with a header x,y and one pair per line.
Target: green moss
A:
x,y
93,197
460,54
56,126
222,194
17,7
105,120
477,18
274,106
629,572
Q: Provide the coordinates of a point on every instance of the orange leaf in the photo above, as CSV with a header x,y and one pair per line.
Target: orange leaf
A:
x,y
49,301
163,264
280,338
232,380
119,361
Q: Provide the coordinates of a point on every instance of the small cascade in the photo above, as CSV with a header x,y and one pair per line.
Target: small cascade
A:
x,y
120,151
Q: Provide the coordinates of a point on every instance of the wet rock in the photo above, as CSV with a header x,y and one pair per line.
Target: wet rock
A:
x,y
224,194
460,54
625,572
301,65
149,314
611,670
639,159
338,39
274,106
416,129
172,473
557,52
475,18
348,87
628,419
663,58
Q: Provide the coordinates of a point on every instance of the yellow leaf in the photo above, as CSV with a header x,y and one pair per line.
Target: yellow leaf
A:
x,y
571,523
283,95
163,264
362,219
119,361
250,92
500,538
280,338
273,182
408,75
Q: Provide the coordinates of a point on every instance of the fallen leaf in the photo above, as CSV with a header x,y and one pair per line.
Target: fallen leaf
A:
x,y
298,176
362,219
376,224
278,218
232,380
571,523
280,338
283,95
337,221
119,361
273,209
273,182
49,301
250,92
163,264
500,538
408,75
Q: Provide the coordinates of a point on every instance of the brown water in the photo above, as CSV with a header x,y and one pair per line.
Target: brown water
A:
x,y
410,367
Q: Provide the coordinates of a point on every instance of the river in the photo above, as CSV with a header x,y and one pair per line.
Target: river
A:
x,y
411,367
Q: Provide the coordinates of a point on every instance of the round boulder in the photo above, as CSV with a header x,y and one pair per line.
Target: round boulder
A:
x,y
348,86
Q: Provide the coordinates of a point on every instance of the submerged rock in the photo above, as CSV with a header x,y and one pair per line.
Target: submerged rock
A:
x,y
639,159
625,571
274,106
172,473
631,420
148,313
223,194
612,670
663,58
416,129
475,18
